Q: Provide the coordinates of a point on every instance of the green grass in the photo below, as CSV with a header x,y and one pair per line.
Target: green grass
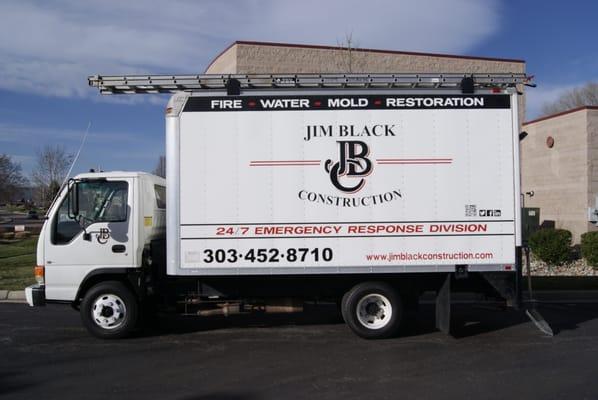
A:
x,y
16,264
13,208
20,248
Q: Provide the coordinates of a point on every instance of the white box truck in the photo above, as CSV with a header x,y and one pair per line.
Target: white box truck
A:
x,y
366,190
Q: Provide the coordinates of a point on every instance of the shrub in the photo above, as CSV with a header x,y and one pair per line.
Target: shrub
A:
x,y
553,246
589,248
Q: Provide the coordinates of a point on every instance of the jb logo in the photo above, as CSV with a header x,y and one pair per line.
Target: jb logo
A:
x,y
103,235
353,163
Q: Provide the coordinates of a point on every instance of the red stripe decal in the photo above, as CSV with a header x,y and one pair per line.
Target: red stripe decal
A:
x,y
285,161
284,165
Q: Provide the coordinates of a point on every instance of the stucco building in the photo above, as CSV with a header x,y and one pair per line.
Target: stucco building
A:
x,y
261,57
560,166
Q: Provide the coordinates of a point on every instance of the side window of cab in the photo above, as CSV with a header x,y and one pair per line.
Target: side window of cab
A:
x,y
160,192
99,201
64,229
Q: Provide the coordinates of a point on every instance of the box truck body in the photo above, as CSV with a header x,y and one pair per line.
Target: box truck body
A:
x,y
363,190
356,183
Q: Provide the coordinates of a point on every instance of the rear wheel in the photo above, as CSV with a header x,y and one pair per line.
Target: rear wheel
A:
x,y
109,310
373,310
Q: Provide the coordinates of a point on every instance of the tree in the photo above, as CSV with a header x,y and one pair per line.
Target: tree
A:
x,y
586,95
11,178
346,59
160,169
52,165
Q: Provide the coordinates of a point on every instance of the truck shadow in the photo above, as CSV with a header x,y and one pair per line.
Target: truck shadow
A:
x,y
467,319
473,320
224,396
321,314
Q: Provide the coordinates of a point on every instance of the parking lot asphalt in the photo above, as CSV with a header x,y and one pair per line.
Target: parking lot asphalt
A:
x,y
492,354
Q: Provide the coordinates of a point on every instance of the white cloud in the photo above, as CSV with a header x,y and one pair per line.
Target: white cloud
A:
x,y
50,48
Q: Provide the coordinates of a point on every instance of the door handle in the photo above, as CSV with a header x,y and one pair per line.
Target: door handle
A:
x,y
119,248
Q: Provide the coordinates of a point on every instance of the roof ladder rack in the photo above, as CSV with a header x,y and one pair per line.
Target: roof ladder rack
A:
x,y
143,84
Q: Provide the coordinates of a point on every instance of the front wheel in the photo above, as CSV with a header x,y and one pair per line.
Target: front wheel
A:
x,y
373,310
109,310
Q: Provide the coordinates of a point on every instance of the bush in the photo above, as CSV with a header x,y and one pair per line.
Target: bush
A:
x,y
553,246
589,248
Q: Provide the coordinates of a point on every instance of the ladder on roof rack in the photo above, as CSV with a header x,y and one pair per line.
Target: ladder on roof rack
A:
x,y
141,84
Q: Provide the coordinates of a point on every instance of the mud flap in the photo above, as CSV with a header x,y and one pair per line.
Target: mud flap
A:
x,y
504,285
539,321
443,306
532,312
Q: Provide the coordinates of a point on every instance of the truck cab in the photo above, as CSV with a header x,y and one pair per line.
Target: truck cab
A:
x,y
99,229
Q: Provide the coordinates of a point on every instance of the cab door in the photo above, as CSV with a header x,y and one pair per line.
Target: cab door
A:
x,y
101,235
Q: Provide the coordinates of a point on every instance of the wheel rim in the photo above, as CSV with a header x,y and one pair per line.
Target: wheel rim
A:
x,y
374,311
108,311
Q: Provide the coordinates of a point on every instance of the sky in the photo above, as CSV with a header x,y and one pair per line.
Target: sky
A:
x,y
48,48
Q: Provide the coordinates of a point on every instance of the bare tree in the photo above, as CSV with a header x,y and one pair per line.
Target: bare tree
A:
x,y
586,95
345,57
160,169
52,165
11,178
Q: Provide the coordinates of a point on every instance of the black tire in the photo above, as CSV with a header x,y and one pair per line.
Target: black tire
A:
x,y
343,301
375,300
118,305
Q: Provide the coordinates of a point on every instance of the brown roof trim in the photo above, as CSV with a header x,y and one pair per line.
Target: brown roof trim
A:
x,y
412,53
576,109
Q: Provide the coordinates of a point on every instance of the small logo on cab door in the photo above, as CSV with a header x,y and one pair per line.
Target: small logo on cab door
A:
x,y
103,235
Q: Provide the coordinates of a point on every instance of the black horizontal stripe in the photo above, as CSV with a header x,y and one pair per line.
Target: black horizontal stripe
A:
x,y
347,102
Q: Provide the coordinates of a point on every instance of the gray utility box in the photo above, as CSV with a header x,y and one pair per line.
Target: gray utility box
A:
x,y
530,222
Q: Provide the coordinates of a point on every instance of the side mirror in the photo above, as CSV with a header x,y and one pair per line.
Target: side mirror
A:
x,y
73,199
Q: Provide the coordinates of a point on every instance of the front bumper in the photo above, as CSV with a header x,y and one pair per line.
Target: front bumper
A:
x,y
36,295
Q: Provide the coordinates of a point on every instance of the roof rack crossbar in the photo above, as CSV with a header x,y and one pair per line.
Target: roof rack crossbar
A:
x,y
142,84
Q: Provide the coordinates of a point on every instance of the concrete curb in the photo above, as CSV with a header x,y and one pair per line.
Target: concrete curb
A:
x,y
555,296
12,296
539,296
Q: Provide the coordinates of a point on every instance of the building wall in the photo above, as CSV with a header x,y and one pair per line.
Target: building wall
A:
x,y
592,129
280,59
256,58
560,177
224,63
